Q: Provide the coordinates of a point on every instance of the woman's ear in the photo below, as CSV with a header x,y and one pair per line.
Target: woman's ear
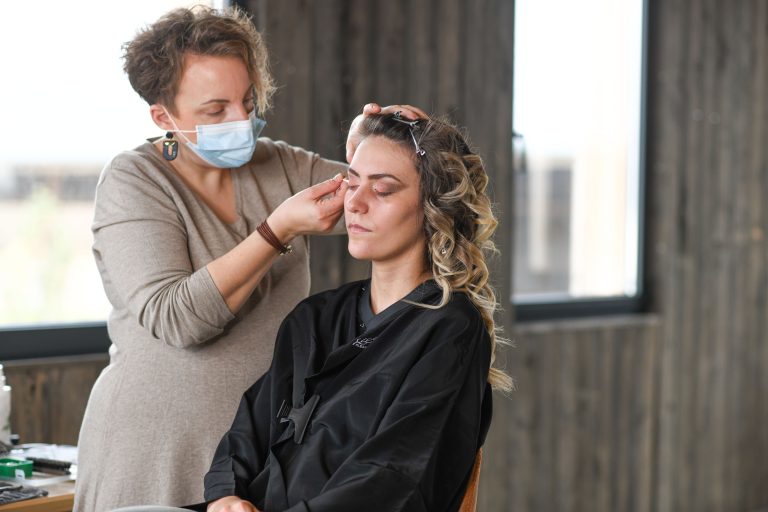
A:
x,y
161,117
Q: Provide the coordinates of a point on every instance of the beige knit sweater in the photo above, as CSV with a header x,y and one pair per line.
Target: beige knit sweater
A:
x,y
179,360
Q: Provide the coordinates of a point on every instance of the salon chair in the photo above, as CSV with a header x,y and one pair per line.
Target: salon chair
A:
x,y
469,503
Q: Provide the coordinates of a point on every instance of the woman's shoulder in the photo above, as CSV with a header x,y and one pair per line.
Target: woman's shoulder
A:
x,y
300,167
458,329
141,163
458,309
460,303
452,324
324,308
278,152
328,303
461,315
268,146
135,181
332,298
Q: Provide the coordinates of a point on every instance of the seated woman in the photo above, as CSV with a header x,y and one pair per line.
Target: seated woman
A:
x,y
379,393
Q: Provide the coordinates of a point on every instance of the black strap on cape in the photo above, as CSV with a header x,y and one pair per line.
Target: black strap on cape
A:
x,y
299,417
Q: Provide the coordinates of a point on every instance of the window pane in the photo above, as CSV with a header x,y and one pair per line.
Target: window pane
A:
x,y
68,108
577,106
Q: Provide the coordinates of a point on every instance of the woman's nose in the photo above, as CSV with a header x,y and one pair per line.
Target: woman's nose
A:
x,y
238,113
356,201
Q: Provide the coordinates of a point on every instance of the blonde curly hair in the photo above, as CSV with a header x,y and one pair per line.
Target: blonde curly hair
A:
x,y
458,218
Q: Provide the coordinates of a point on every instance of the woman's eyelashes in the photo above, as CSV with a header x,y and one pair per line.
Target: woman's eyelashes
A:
x,y
248,105
378,189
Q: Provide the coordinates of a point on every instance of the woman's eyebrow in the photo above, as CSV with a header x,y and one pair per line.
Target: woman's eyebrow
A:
x,y
214,101
248,93
376,176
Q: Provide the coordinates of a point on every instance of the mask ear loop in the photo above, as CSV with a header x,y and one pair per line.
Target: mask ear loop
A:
x,y
171,145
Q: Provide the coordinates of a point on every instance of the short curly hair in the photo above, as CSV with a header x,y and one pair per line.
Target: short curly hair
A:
x,y
154,58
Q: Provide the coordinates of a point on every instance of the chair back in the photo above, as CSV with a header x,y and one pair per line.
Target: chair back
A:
x,y
469,503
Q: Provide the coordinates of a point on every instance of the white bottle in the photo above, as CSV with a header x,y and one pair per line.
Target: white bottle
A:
x,y
5,409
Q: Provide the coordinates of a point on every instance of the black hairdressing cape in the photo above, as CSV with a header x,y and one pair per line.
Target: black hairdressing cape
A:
x,y
388,417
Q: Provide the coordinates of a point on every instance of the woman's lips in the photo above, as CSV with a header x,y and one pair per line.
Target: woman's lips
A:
x,y
357,228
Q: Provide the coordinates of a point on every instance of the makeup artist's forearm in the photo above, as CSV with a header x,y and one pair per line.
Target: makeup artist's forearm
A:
x,y
239,272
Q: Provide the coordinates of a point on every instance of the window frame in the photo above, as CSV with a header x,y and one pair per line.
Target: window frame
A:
x,y
34,341
529,311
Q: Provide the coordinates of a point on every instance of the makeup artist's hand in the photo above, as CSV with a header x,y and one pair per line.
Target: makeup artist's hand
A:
x,y
314,210
232,504
354,137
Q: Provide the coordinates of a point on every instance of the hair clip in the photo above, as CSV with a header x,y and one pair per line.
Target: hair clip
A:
x,y
397,117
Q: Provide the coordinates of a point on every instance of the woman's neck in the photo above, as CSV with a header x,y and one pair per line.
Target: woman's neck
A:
x,y
191,168
390,282
212,185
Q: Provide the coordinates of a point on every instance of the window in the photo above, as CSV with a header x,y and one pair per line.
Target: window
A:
x,y
67,108
578,104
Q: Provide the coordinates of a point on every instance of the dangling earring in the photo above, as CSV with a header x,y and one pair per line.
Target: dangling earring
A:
x,y
170,147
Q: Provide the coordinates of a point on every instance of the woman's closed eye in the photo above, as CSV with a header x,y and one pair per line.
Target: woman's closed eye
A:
x,y
382,191
379,190
248,105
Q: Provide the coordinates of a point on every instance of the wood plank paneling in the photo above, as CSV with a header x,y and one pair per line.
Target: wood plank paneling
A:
x,y
288,28
448,37
328,111
707,178
49,396
331,58
582,421
419,65
390,41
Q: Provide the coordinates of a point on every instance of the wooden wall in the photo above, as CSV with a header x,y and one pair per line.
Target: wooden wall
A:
x,y
332,57
49,396
667,411
578,433
707,251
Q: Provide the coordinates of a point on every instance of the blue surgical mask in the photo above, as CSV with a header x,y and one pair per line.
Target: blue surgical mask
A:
x,y
225,145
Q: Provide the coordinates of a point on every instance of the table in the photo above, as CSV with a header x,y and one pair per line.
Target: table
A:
x,y
61,498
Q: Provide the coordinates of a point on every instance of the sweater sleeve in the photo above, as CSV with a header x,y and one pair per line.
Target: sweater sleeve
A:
x,y
141,249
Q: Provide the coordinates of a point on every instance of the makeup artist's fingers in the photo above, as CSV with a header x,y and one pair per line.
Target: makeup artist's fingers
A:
x,y
407,111
314,210
354,137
